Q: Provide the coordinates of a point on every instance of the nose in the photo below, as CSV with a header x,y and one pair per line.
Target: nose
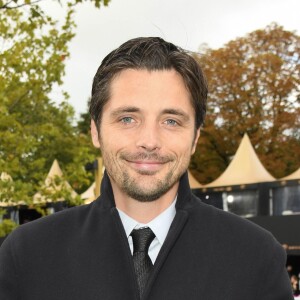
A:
x,y
149,138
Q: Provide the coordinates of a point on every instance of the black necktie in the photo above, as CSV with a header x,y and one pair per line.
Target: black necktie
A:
x,y
142,238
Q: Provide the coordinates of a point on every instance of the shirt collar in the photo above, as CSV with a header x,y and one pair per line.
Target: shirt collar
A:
x,y
160,225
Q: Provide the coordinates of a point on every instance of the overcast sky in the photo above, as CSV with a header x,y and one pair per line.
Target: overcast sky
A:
x,y
187,23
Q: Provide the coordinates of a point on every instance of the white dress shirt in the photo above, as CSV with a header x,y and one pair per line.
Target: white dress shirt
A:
x,y
160,226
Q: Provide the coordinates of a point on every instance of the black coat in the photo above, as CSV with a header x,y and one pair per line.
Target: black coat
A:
x,y
83,253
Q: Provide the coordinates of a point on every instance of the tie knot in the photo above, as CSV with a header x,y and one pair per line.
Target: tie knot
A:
x,y
142,238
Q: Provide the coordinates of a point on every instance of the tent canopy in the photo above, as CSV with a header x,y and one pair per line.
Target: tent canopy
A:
x,y
89,195
245,168
55,170
293,176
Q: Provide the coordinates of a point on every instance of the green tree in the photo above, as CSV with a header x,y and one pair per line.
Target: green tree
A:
x,y
33,129
84,122
15,4
254,85
6,225
14,192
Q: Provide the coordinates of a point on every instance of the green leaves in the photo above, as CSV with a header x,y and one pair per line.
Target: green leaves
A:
x,y
97,3
6,226
33,129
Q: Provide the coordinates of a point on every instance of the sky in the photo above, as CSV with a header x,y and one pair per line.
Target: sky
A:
x,y
186,23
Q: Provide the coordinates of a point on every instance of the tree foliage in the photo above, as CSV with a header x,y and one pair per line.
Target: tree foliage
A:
x,y
33,4
33,129
254,85
6,225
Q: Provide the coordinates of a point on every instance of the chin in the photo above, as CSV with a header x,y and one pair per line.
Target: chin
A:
x,y
146,197
147,192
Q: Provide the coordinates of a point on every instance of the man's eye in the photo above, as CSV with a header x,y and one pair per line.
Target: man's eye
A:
x,y
171,122
127,120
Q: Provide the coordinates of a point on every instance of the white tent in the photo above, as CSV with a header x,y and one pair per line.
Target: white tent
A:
x,y
294,176
89,195
55,171
245,168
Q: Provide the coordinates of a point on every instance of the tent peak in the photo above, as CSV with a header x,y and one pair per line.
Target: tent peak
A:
x,y
55,170
245,168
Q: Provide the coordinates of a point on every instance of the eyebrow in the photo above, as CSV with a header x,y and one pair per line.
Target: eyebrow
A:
x,y
176,112
124,109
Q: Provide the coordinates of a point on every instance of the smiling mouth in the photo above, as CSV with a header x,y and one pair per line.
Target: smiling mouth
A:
x,y
146,158
150,162
146,163
145,166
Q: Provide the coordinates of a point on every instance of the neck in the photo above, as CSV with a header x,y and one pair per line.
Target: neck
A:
x,y
143,212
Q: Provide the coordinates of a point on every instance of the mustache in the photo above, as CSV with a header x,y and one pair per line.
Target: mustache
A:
x,y
146,156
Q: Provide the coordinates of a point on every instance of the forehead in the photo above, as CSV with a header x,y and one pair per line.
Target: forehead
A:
x,y
152,89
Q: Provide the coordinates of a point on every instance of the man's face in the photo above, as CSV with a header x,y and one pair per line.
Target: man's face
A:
x,y
147,133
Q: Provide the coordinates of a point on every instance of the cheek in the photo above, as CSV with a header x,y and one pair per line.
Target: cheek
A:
x,y
183,145
111,145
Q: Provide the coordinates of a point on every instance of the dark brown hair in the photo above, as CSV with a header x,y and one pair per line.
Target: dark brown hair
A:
x,y
150,53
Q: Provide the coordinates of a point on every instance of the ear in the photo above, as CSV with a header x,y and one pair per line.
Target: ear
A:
x,y
196,140
94,134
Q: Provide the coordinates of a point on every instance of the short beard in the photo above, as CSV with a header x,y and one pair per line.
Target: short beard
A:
x,y
132,189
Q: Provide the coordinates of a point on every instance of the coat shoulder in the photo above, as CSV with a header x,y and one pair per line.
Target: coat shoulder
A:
x,y
58,226
228,226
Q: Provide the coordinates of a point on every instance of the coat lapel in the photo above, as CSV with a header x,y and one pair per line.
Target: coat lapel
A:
x,y
174,232
124,241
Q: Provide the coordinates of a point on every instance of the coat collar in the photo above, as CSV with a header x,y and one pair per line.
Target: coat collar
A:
x,y
184,201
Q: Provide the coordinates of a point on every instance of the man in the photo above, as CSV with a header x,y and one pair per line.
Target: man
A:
x,y
147,236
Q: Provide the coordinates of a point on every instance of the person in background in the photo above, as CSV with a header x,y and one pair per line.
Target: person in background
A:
x,y
295,285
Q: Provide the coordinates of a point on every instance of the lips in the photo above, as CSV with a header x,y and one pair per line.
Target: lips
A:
x,y
150,166
146,163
